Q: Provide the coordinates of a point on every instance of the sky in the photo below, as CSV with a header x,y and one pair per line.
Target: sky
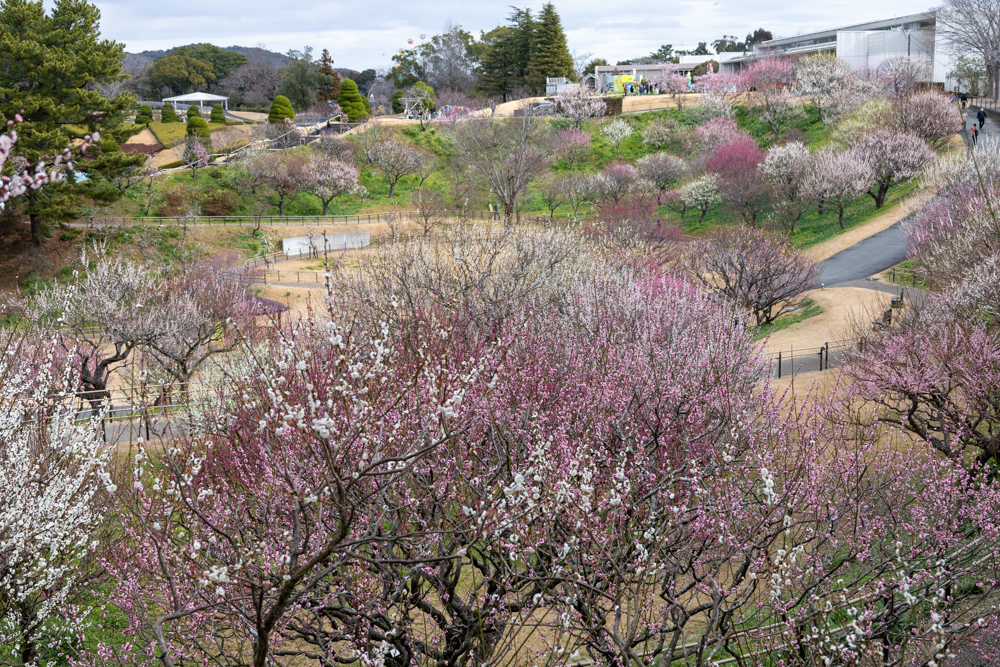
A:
x,y
366,34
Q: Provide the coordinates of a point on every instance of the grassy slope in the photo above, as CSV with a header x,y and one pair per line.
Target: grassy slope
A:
x,y
812,229
171,134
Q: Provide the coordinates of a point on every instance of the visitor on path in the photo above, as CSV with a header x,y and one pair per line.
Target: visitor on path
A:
x,y
965,100
975,134
982,117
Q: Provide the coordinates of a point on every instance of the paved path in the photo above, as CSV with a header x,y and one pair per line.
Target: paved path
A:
x,y
869,256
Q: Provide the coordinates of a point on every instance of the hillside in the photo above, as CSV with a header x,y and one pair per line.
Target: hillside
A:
x,y
253,54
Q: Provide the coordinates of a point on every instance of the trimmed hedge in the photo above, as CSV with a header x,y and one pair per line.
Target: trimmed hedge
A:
x,y
281,108
218,115
198,127
352,102
168,115
193,112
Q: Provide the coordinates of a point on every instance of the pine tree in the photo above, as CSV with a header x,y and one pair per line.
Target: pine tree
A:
x,y
198,127
551,57
167,114
218,115
329,92
353,103
145,115
281,109
48,63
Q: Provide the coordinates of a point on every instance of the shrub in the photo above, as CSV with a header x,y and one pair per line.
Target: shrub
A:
x,y
174,202
193,112
218,115
218,203
109,146
281,109
145,115
198,127
353,102
168,115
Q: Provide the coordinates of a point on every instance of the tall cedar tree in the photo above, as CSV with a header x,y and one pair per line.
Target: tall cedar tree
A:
x,y
47,66
301,80
496,66
329,92
522,45
550,56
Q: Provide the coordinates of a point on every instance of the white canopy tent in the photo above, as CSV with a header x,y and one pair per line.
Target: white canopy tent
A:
x,y
200,99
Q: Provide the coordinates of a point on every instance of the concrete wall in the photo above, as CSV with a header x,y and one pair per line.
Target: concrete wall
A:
x,y
300,245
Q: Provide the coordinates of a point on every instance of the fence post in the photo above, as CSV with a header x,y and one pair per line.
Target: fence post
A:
x,y
779,364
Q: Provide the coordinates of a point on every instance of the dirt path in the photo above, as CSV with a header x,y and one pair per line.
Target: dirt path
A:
x,y
840,305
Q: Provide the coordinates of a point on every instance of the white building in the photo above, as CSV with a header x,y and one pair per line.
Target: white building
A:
x,y
866,45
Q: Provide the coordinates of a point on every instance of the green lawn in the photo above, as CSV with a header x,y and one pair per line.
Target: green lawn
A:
x,y
807,309
812,228
171,134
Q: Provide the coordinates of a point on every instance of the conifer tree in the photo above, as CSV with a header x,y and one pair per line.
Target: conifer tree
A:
x,y
331,91
198,127
218,115
493,76
550,57
48,63
193,112
281,109
522,45
167,114
353,103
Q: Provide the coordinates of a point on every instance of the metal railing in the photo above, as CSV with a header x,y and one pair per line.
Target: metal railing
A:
x,y
984,103
809,358
250,220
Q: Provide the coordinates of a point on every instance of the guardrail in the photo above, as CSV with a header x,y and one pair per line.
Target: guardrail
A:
x,y
984,103
250,220
809,358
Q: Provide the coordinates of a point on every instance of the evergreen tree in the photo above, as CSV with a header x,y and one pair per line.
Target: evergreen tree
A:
x,y
198,127
48,64
353,103
496,64
331,91
301,80
218,115
281,108
550,57
193,112
523,42
145,115
167,113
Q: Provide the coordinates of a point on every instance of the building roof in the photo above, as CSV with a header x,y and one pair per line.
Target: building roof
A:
x,y
884,24
197,97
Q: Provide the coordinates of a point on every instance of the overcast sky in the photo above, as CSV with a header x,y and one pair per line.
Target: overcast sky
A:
x,y
367,34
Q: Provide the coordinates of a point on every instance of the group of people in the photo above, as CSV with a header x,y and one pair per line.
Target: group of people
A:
x,y
980,118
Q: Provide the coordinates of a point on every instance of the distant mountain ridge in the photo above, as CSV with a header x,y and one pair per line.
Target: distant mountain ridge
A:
x,y
253,54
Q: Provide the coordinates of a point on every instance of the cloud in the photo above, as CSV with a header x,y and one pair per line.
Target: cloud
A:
x,y
367,34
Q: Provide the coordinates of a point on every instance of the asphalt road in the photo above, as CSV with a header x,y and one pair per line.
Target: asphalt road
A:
x,y
866,257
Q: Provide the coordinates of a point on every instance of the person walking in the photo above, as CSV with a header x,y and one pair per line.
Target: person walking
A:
x,y
975,134
965,101
982,117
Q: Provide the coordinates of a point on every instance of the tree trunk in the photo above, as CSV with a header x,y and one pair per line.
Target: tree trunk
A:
x,y
840,217
326,205
36,230
392,188
879,195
